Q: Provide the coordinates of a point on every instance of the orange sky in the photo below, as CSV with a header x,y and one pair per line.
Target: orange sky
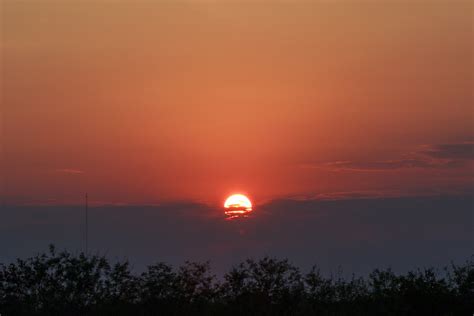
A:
x,y
145,101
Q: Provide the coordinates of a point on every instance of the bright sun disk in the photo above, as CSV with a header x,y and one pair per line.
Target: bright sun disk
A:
x,y
238,201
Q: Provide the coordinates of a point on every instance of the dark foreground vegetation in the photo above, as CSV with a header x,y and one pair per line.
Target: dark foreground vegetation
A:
x,y
60,283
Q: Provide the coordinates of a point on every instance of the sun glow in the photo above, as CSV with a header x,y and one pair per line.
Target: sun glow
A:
x,y
237,205
238,201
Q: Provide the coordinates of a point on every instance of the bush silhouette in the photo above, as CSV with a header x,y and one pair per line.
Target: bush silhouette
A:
x,y
264,286
61,283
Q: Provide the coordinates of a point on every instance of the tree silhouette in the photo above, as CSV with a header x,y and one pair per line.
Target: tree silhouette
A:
x,y
61,283
268,284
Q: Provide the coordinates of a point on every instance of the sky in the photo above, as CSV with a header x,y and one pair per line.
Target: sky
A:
x,y
150,103
147,101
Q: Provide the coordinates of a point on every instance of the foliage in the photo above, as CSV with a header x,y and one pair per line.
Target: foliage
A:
x,y
61,283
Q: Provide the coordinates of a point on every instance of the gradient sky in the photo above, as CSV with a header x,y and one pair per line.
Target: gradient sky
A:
x,y
148,101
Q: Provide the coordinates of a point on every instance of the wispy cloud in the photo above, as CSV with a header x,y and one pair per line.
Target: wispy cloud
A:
x,y
440,156
461,151
348,195
378,165
69,171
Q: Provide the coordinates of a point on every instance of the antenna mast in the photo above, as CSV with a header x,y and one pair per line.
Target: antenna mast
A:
x,y
87,223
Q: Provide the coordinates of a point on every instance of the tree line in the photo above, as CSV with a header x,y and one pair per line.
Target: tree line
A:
x,y
62,283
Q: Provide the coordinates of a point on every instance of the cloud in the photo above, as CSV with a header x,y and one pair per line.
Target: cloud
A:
x,y
383,165
461,151
358,234
378,165
69,171
348,195
441,156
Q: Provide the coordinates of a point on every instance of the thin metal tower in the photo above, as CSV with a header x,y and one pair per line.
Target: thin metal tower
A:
x,y
87,223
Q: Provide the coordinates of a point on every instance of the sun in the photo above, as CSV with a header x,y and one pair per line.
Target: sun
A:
x,y
237,202
237,206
